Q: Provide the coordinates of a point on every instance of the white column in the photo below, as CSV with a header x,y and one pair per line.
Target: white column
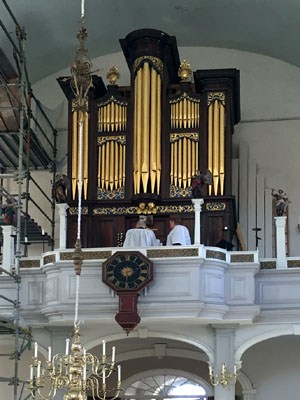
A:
x,y
224,353
62,210
8,248
197,231
281,261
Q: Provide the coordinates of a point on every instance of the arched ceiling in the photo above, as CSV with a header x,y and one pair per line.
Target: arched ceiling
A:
x,y
268,27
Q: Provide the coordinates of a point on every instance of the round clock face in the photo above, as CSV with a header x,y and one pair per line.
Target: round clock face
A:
x,y
127,271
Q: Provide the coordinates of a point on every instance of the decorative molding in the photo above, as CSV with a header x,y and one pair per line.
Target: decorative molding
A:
x,y
35,293
174,137
293,263
218,255
74,210
163,253
214,206
184,96
30,264
241,258
49,259
52,289
121,139
212,96
154,61
87,255
135,210
112,99
105,194
268,265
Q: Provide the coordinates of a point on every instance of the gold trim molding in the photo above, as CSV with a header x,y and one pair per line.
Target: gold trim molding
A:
x,y
134,210
215,206
163,253
110,100
212,96
74,210
104,139
174,137
87,255
156,62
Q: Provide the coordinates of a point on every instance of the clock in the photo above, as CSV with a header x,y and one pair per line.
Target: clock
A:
x,y
127,273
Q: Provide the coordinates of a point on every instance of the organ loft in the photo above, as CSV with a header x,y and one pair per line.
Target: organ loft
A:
x,y
142,144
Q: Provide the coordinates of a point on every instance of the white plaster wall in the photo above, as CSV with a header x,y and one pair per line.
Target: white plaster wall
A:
x,y
270,99
273,367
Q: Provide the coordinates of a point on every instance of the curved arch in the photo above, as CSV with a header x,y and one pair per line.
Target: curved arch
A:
x,y
162,335
145,374
173,352
247,387
260,338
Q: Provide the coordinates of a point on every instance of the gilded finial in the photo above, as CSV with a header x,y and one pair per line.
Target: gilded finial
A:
x,y
185,70
113,75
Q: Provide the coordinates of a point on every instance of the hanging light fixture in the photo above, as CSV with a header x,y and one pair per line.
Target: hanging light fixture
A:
x,y
77,371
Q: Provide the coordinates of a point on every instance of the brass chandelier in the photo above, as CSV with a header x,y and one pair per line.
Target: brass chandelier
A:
x,y
76,371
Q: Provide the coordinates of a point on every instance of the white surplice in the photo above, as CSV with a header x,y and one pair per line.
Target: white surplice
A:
x,y
140,238
179,234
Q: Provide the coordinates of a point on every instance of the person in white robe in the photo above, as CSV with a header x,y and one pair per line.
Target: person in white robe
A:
x,y
140,236
179,234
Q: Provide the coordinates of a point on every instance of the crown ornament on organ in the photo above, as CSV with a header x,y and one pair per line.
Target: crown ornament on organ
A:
x,y
113,75
184,71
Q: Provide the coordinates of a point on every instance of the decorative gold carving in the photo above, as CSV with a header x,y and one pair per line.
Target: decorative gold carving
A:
x,y
174,137
215,254
185,112
113,75
112,115
150,208
49,259
156,62
74,210
212,96
103,194
215,206
86,255
134,210
241,258
75,105
163,253
29,263
184,71
268,265
176,192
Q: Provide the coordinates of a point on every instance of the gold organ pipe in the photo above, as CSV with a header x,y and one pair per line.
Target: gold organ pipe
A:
x,y
153,132
210,142
104,118
175,162
74,155
222,147
184,112
158,134
197,115
184,162
172,165
99,119
180,163
113,120
193,157
197,156
124,172
216,147
194,115
176,115
125,117
120,118
111,165
116,177
99,166
85,149
180,113
108,117
107,155
102,165
189,105
135,151
189,161
139,129
120,165
171,115
116,117
146,120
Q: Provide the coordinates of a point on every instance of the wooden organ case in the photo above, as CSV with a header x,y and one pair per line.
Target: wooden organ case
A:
x,y
143,143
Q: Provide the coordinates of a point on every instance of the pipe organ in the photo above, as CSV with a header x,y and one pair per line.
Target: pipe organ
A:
x,y
143,144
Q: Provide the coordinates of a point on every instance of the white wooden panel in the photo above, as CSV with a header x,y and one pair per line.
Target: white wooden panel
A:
x,y
260,195
251,203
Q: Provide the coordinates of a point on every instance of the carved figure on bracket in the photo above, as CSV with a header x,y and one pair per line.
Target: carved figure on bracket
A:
x,y
199,180
281,201
61,187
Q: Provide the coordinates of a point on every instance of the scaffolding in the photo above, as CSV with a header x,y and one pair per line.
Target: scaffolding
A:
x,y
29,151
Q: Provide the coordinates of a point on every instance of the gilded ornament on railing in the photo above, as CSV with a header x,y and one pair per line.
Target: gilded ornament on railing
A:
x,y
113,75
74,210
134,210
184,71
156,62
212,96
174,137
215,206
